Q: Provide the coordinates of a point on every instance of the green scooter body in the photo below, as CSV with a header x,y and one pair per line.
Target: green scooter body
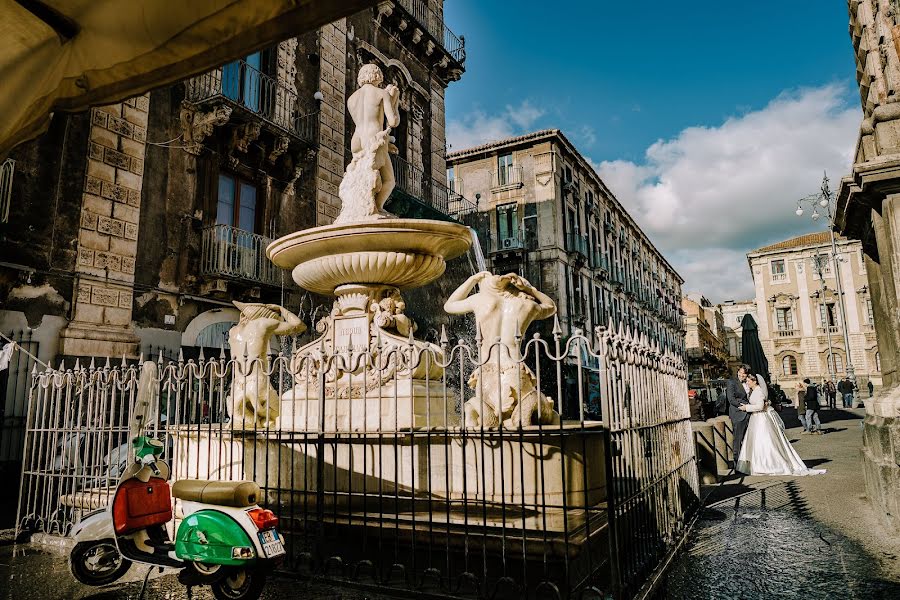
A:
x,y
213,537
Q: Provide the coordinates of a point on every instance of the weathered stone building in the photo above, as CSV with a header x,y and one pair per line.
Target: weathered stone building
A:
x,y
704,339
130,228
136,224
868,210
543,212
799,314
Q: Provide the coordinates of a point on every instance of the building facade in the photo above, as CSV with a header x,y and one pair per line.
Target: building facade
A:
x,y
733,312
543,212
868,210
704,339
129,229
799,313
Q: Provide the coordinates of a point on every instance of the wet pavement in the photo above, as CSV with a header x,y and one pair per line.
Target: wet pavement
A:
x,y
802,537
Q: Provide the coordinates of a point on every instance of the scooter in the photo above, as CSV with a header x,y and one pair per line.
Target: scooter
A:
x,y
225,540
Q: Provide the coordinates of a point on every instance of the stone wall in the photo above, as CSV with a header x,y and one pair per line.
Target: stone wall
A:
x,y
332,84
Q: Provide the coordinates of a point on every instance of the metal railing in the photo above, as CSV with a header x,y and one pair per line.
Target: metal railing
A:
x,y
507,177
7,169
436,28
14,395
418,184
362,473
237,254
248,88
575,242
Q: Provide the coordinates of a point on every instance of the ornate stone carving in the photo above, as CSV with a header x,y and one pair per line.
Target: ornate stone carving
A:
x,y
289,189
197,125
243,135
505,388
279,147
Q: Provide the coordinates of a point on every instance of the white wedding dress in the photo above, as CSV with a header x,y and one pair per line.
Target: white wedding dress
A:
x,y
766,449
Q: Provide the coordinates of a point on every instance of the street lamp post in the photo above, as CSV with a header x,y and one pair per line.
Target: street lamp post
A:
x,y
825,199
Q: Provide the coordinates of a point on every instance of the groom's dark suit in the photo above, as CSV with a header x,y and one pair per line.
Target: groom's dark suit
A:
x,y
737,396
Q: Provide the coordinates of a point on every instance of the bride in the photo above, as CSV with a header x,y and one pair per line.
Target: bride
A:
x,y
766,449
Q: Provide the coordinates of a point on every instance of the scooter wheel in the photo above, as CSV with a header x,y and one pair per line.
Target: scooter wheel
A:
x,y
240,584
97,562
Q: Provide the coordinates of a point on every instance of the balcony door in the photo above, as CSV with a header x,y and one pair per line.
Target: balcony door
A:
x,y
239,249
246,81
504,169
508,226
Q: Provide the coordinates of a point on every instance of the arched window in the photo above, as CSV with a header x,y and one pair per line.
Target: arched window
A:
x,y
836,363
215,335
789,365
878,361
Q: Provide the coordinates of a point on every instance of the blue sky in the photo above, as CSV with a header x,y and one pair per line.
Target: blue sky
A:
x,y
705,118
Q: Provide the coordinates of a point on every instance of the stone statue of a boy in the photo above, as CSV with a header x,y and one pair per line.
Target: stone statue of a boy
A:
x,y
506,391
253,397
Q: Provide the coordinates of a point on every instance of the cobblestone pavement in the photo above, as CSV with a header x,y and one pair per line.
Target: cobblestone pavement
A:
x,y
802,537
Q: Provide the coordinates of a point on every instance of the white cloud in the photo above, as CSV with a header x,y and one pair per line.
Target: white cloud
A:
x,y
711,194
478,127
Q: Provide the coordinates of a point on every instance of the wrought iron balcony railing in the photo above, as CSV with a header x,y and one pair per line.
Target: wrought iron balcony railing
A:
x,y
7,169
249,89
416,183
576,243
237,254
506,177
436,28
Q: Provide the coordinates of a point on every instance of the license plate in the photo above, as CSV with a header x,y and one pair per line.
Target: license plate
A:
x,y
271,543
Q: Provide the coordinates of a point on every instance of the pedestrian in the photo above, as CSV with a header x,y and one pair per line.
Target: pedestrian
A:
x,y
845,387
801,405
830,394
721,402
814,425
696,405
871,387
737,391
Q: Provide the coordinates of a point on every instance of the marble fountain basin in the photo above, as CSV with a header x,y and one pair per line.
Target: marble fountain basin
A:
x,y
402,253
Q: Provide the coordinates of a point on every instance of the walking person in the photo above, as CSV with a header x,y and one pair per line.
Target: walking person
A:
x,y
813,424
830,394
801,405
871,387
845,387
737,392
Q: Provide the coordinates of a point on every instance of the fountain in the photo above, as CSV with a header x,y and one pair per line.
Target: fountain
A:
x,y
366,259
393,420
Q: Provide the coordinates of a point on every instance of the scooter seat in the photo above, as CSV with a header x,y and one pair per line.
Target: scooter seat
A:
x,y
237,494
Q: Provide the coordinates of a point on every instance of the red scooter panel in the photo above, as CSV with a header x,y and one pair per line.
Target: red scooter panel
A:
x,y
138,505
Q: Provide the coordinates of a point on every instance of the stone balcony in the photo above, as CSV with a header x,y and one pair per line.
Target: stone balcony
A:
x,y
509,178
424,32
253,96
417,194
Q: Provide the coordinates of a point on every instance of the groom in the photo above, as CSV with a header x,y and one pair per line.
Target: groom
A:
x,y
736,392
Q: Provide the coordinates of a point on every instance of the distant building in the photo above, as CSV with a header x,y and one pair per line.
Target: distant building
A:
x,y
704,339
733,312
798,310
543,212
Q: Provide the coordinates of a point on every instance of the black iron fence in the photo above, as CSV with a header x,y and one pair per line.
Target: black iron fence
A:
x,y
377,471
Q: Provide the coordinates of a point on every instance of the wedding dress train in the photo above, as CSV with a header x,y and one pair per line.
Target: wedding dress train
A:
x,y
766,449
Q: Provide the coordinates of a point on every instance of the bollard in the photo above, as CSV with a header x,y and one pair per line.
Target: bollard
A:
x,y
705,445
721,443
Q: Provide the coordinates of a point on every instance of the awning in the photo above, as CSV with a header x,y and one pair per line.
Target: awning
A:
x,y
72,54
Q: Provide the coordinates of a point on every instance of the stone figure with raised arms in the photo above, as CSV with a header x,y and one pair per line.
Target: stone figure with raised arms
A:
x,y
254,399
505,388
369,178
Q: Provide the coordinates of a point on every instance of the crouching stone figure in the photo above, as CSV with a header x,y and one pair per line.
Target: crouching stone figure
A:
x,y
505,388
255,401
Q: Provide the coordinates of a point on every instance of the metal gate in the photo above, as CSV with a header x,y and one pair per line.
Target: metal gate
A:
x,y
395,491
651,465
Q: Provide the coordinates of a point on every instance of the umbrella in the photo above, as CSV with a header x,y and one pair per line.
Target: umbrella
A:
x,y
72,54
751,349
